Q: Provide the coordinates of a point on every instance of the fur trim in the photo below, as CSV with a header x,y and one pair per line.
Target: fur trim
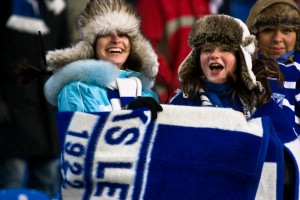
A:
x,y
270,13
227,31
143,51
97,72
59,58
212,29
101,17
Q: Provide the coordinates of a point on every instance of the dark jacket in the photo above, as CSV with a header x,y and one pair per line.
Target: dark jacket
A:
x,y
31,130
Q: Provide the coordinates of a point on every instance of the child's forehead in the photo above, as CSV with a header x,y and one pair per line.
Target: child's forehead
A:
x,y
279,26
218,45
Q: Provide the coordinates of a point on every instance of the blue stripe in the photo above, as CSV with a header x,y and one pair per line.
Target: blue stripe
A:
x,y
90,154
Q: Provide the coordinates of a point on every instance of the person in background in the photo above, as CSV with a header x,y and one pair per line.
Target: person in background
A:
x,y
167,24
29,144
218,70
112,67
276,25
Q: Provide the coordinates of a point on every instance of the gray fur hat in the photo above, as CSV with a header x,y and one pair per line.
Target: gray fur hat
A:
x,y
226,31
101,17
269,13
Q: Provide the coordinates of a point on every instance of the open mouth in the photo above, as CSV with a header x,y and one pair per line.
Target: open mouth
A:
x,y
115,50
216,67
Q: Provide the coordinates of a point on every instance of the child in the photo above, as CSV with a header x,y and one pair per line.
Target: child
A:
x,y
218,71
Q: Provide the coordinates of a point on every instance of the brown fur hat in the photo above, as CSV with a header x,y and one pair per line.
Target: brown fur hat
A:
x,y
227,31
270,13
101,17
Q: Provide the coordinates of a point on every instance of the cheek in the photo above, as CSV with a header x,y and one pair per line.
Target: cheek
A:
x,y
231,64
127,43
292,42
203,60
263,40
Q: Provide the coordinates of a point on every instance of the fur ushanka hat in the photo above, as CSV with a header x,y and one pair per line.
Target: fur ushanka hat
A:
x,y
227,31
101,17
270,13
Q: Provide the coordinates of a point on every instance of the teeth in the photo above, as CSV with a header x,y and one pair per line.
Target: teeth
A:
x,y
115,50
215,66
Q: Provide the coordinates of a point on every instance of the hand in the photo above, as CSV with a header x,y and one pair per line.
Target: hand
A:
x,y
149,102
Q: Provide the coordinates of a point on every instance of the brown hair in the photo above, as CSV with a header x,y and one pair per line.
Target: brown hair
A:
x,y
192,79
263,69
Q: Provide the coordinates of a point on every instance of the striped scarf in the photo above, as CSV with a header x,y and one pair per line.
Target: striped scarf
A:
x,y
123,91
205,101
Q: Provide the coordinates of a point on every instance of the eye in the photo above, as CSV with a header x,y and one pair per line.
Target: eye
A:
x,y
268,30
104,35
287,31
122,35
206,49
225,49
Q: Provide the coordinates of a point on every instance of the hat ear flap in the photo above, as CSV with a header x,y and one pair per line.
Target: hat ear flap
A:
x,y
143,53
189,62
246,69
61,57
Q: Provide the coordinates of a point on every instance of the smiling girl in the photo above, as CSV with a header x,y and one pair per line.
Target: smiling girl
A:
x,y
111,66
218,71
276,25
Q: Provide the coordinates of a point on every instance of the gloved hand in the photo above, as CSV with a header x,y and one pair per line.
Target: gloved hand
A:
x,y
149,102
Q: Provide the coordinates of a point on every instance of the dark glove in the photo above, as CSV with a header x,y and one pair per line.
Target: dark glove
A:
x,y
149,102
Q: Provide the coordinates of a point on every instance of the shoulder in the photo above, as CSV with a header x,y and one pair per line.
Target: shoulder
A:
x,y
179,99
94,72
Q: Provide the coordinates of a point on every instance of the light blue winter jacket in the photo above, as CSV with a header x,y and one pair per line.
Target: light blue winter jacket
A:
x,y
82,85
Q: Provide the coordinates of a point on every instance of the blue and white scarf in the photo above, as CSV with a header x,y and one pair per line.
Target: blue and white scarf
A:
x,y
123,91
187,153
26,15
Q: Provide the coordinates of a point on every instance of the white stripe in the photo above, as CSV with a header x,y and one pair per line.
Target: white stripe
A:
x,y
267,184
297,120
115,104
138,83
80,123
128,87
179,23
27,24
206,117
271,78
289,85
298,97
286,103
295,64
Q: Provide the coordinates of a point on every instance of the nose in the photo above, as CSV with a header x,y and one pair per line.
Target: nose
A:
x,y
115,38
215,54
277,37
